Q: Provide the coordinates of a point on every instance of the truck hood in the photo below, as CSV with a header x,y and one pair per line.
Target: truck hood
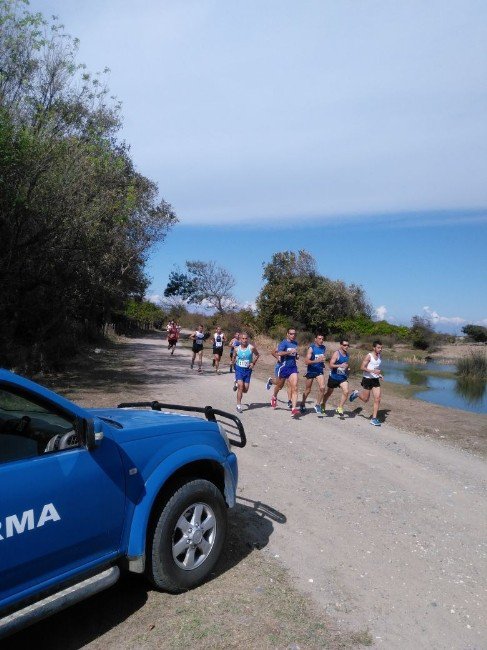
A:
x,y
139,419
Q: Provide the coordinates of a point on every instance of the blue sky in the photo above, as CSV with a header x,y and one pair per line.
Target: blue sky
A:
x,y
356,130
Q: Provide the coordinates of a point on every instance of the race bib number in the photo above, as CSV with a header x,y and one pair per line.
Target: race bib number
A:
x,y
243,363
291,351
218,344
319,357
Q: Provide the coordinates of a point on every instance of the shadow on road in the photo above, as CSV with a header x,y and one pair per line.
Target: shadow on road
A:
x,y
250,527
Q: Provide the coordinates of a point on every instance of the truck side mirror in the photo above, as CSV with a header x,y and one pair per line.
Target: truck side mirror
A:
x,y
91,437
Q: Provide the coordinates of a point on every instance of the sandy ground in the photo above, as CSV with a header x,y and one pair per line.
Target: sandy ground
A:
x,y
384,529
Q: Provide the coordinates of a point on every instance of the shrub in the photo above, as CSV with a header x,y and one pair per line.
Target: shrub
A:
x,y
474,366
476,332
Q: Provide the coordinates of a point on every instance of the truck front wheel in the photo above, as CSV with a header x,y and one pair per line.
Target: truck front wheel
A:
x,y
188,537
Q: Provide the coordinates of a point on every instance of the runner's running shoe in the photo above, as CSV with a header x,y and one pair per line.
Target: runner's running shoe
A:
x,y
295,413
339,410
269,383
375,422
318,408
289,404
273,401
239,408
302,408
235,386
354,395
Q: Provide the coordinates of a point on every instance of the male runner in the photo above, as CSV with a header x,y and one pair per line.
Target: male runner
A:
x,y
288,369
272,380
219,339
315,361
233,344
246,356
198,337
172,335
339,369
371,380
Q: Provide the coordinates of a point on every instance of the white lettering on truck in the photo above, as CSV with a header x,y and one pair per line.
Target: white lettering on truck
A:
x,y
14,524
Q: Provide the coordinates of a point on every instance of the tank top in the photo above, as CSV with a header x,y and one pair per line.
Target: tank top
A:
x,y
244,356
318,355
199,337
339,374
373,367
218,340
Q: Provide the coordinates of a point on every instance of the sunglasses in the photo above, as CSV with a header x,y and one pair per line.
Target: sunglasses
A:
x,y
345,345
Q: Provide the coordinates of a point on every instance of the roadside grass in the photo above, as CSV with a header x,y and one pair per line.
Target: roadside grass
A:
x,y
250,602
252,605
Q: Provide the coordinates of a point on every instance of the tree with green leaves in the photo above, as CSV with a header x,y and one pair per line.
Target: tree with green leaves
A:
x,y
76,219
295,291
205,284
477,333
422,332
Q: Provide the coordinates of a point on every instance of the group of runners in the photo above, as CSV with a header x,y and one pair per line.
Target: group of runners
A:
x,y
286,370
244,356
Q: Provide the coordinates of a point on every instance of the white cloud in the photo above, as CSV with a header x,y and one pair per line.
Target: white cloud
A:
x,y
435,317
155,298
380,312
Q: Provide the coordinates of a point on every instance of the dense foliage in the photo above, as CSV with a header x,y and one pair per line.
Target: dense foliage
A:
x,y
294,292
76,218
477,333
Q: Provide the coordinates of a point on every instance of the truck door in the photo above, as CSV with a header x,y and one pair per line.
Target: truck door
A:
x,y
61,506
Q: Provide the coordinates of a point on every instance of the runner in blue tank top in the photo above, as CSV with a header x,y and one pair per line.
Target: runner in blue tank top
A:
x,y
245,358
287,350
315,362
339,369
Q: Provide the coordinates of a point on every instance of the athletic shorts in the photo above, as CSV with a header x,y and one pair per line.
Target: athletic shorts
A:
x,y
334,383
243,374
171,341
218,351
312,374
197,348
370,382
286,371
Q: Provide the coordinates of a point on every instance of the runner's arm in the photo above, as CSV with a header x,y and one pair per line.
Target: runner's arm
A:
x,y
333,364
365,362
309,354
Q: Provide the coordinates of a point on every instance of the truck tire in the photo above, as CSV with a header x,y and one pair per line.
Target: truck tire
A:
x,y
188,537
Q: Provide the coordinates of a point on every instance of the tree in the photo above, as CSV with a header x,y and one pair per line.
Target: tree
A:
x,y
76,219
205,284
477,333
294,291
422,332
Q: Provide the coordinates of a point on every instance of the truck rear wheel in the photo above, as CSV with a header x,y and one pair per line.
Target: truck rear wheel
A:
x,y
188,537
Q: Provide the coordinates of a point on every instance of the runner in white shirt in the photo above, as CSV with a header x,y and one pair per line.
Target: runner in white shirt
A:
x,y
198,337
371,381
219,339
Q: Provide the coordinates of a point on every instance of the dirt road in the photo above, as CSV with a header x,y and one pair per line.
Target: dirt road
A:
x,y
385,530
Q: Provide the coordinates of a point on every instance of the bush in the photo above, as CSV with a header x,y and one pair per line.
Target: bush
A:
x,y
476,332
474,366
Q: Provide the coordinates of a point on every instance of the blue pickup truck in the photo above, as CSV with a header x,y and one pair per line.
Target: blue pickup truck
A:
x,y
86,493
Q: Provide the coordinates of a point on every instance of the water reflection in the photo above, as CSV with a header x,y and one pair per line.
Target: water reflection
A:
x,y
472,390
415,377
454,392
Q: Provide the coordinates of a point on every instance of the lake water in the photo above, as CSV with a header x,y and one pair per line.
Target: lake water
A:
x,y
446,391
